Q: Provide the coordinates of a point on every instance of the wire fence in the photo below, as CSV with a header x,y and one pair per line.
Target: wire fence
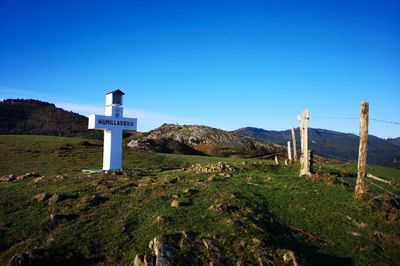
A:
x,y
356,118
321,157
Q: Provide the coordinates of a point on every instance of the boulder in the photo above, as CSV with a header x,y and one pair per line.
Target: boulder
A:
x,y
31,174
54,198
7,178
290,257
175,203
165,248
182,249
42,197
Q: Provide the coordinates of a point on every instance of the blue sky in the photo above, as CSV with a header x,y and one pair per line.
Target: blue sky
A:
x,y
226,64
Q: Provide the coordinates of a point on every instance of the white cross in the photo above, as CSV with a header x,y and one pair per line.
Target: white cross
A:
x,y
113,123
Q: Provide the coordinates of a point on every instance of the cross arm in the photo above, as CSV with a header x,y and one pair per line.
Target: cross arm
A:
x,y
108,122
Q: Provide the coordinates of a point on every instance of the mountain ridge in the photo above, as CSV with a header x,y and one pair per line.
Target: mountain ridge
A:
x,y
335,144
34,117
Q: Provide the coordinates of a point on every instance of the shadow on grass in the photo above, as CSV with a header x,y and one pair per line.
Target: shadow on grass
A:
x,y
283,236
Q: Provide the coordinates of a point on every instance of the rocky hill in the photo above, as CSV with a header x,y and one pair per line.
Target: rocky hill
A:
x,y
333,144
33,117
202,140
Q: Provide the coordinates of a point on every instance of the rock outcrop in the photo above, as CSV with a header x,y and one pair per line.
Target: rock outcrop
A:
x,y
201,140
181,248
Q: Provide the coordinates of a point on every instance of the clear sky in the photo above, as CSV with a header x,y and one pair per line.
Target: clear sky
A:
x,y
226,64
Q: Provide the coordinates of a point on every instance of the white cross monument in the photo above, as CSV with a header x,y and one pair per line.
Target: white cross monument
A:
x,y
113,123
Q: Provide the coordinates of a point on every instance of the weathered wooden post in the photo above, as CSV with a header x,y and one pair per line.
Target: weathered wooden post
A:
x,y
361,190
311,157
294,145
301,133
289,151
276,160
305,157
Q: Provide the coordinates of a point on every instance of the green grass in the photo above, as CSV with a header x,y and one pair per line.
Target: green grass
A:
x,y
269,209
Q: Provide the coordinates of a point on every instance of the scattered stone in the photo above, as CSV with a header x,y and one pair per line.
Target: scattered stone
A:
x,y
7,178
356,234
54,217
54,199
23,259
31,174
289,256
143,261
175,203
93,200
60,177
160,219
145,181
191,191
220,167
42,197
168,180
223,208
362,225
38,180
217,208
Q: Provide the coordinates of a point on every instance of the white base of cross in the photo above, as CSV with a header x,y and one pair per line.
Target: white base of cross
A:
x,y
113,127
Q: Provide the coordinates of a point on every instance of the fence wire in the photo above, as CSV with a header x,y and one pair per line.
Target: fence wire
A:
x,y
355,118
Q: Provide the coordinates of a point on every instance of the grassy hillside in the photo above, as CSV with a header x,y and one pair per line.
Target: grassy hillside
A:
x,y
246,211
334,144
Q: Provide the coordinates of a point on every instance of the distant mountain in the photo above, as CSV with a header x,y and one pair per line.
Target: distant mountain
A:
x,y
35,117
333,144
395,141
193,139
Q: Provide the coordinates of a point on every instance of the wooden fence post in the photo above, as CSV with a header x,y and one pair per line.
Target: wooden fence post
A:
x,y
360,189
289,151
301,132
305,157
294,145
